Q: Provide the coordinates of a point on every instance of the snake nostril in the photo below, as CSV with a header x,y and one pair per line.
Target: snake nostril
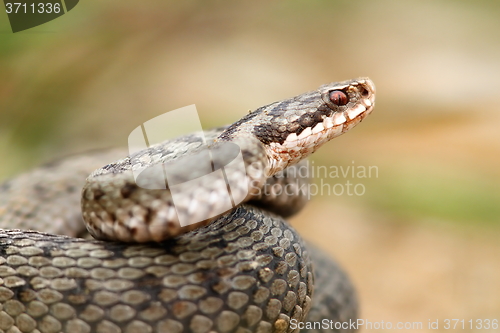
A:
x,y
338,97
364,93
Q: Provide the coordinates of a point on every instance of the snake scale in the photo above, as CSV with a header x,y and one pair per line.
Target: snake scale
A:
x,y
246,270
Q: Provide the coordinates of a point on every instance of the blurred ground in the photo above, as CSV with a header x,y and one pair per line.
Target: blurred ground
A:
x,y
409,272
421,242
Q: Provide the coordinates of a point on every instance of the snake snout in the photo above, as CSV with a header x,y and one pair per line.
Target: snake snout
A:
x,y
367,89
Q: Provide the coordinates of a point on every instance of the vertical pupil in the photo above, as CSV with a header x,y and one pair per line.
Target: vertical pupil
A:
x,y
338,97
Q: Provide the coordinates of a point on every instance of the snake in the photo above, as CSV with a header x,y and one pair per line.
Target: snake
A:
x,y
239,269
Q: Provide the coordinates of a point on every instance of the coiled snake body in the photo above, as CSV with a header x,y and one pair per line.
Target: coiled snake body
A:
x,y
245,271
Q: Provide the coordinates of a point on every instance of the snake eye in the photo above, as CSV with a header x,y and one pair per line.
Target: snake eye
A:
x,y
338,97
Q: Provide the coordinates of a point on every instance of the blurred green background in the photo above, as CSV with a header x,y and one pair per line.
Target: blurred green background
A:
x,y
422,242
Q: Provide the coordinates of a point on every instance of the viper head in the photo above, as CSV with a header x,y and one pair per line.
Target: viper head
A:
x,y
294,128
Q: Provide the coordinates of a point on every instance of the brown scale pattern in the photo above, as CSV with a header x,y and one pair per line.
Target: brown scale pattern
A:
x,y
247,272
